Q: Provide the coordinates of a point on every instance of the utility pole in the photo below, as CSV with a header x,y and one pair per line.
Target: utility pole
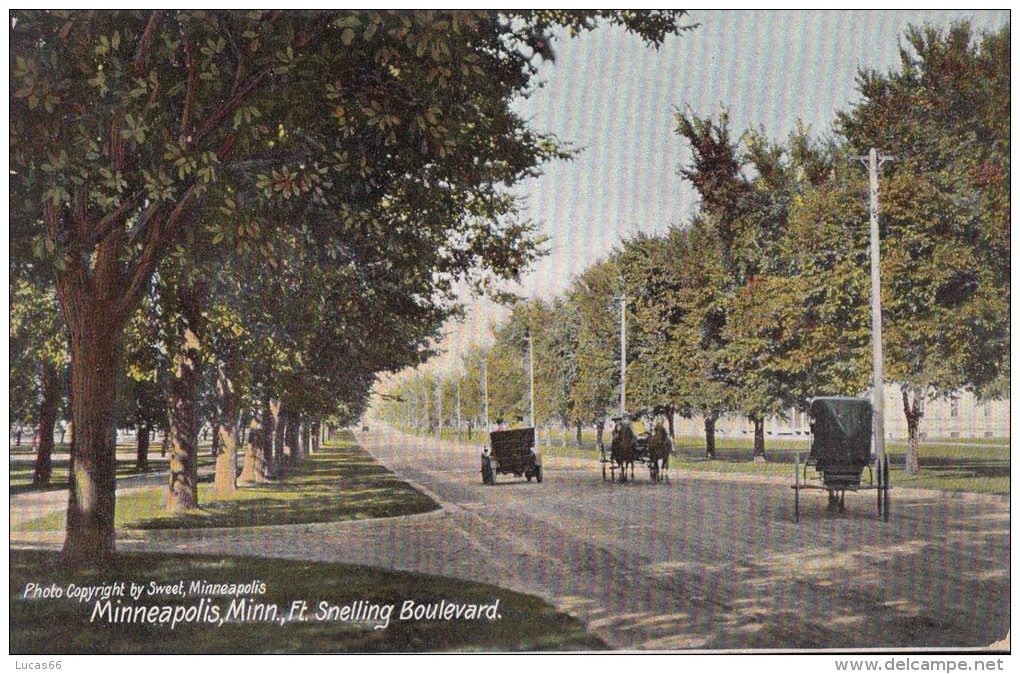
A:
x,y
531,377
874,162
439,406
623,354
485,385
425,409
458,406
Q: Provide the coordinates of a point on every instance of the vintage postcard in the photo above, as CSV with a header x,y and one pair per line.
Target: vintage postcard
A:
x,y
519,331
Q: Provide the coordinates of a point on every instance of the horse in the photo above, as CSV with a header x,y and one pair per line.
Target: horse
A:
x,y
623,448
659,449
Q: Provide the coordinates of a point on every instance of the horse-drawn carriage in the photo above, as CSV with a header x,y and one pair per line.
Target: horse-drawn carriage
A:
x,y
840,451
631,444
511,453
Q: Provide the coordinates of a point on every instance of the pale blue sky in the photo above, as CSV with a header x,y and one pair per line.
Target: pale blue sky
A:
x,y
614,97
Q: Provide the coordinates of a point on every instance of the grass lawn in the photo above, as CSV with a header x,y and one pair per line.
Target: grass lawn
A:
x,y
950,466
22,465
525,623
340,482
972,465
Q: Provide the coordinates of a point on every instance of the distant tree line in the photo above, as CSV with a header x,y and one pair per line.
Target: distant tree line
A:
x,y
761,300
240,219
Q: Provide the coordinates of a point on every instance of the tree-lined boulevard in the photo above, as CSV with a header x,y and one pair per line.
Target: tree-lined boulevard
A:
x,y
763,299
236,234
267,207
701,562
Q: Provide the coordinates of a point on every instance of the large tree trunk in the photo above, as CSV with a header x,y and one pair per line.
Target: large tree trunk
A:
x,y
225,440
670,413
48,403
182,493
316,436
912,410
710,435
600,429
252,468
96,349
257,468
142,437
279,440
578,427
292,439
759,439
267,437
214,450
303,444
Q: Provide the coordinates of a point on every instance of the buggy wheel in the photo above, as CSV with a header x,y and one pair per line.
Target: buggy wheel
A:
x,y
538,474
885,485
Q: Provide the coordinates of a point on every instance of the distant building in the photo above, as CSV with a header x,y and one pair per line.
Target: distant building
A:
x,y
959,416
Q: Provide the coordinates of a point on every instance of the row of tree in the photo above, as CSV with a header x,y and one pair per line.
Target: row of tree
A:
x,y
762,300
221,216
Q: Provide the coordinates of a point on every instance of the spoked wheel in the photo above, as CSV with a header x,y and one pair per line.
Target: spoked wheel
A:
x,y
885,486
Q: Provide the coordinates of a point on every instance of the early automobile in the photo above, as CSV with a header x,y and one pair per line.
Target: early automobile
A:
x,y
511,452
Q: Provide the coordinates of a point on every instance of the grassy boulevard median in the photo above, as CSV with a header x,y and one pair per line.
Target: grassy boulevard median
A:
x,y
159,603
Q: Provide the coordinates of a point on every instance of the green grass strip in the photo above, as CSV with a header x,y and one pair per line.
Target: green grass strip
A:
x,y
66,625
338,483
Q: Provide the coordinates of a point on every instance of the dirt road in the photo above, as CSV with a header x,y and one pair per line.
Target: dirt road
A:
x,y
701,563
693,564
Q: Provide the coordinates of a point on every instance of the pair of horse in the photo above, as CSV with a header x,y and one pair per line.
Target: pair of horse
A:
x,y
624,450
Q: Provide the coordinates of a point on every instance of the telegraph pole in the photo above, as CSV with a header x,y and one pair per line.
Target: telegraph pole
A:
x,y
485,385
458,407
439,406
874,162
623,354
530,359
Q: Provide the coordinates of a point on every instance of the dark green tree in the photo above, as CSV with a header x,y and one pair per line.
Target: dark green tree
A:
x,y
945,220
126,124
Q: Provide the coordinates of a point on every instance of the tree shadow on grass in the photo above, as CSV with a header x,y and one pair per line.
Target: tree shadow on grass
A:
x,y
332,485
524,623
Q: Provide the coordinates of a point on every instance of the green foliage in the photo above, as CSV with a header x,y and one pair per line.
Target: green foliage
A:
x,y
367,158
762,300
36,339
595,384
945,273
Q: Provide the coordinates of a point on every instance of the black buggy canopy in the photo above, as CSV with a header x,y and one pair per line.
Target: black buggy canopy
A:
x,y
841,429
